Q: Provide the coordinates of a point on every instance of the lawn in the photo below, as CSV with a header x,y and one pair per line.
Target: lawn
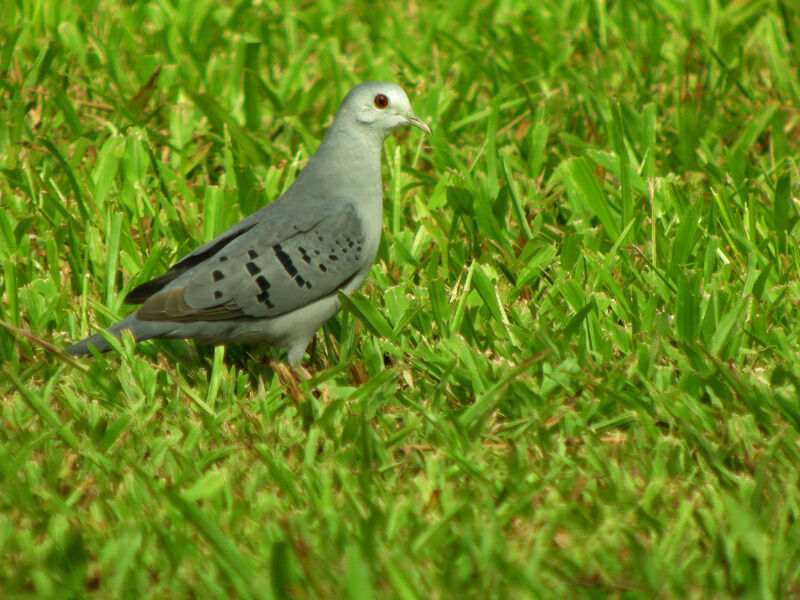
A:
x,y
574,371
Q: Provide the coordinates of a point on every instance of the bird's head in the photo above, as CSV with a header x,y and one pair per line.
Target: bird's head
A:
x,y
380,106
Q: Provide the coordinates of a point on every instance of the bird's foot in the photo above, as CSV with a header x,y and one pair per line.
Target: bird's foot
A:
x,y
290,378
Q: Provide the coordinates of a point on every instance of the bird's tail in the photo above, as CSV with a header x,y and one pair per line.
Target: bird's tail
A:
x,y
141,330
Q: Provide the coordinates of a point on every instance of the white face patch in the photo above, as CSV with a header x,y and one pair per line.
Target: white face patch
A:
x,y
382,106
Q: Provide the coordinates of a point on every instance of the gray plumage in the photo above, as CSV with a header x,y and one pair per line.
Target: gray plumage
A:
x,y
275,276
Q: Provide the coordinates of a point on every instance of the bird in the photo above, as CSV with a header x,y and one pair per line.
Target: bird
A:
x,y
276,275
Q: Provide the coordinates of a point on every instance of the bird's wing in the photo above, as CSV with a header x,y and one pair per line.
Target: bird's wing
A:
x,y
261,272
278,214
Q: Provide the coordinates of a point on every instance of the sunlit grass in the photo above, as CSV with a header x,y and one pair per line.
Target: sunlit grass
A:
x,y
573,372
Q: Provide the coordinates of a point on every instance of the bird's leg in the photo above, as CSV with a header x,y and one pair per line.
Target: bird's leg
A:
x,y
289,378
300,372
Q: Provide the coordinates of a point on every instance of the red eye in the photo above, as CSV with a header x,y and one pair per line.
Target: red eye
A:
x,y
381,101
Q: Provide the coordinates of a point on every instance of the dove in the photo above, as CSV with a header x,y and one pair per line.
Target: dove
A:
x,y
275,276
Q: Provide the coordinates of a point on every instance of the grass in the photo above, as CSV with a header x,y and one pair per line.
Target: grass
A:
x,y
574,371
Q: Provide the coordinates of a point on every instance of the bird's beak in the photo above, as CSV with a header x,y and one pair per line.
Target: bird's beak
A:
x,y
418,123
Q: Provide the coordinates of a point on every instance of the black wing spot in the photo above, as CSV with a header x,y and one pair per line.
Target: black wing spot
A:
x,y
217,294
333,257
196,259
253,268
350,242
223,258
358,249
322,267
316,252
262,283
252,253
218,275
263,297
285,260
304,255
300,281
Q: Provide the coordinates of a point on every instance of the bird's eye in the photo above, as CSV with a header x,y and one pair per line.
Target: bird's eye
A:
x,y
381,101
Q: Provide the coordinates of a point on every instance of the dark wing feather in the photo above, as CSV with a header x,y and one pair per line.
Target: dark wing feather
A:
x,y
171,306
142,292
266,277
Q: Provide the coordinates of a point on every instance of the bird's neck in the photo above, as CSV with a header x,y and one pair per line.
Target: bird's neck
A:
x,y
347,167
349,162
